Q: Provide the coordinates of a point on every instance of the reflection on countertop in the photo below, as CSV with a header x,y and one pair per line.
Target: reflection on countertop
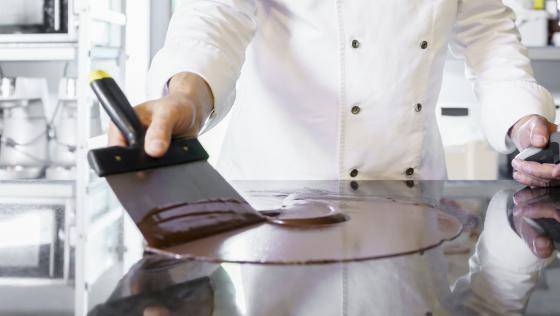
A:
x,y
488,269
51,253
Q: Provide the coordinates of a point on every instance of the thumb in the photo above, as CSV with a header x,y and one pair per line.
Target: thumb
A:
x,y
552,128
158,135
539,132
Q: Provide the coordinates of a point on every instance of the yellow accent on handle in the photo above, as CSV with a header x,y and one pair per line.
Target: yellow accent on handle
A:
x,y
98,75
538,5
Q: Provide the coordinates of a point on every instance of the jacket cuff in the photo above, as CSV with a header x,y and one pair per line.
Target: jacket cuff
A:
x,y
199,58
504,103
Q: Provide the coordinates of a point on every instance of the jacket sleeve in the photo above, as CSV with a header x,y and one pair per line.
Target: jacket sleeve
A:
x,y
486,36
208,38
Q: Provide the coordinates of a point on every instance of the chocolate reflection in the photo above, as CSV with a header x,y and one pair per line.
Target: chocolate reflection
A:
x,y
191,298
167,287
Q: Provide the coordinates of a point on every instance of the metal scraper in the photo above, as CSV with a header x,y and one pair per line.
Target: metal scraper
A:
x,y
173,199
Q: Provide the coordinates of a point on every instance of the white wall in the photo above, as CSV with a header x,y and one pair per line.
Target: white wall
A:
x,y
138,49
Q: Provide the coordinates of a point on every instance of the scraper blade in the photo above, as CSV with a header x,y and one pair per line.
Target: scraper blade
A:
x,y
173,199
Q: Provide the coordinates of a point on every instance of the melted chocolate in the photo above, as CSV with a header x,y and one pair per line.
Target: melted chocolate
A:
x,y
176,224
180,223
369,228
309,214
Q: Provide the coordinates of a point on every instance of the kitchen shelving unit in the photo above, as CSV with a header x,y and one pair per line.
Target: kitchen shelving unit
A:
x,y
94,220
58,199
38,52
98,214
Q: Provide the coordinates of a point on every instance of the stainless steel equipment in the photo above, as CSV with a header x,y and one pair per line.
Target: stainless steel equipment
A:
x,y
37,21
62,134
24,139
7,88
30,244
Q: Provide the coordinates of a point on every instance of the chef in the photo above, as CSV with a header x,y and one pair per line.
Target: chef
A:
x,y
341,89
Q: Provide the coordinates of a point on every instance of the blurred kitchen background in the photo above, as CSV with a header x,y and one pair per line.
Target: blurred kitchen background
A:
x,y
49,119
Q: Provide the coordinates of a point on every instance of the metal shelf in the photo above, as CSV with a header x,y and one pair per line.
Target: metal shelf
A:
x,y
544,53
38,52
13,282
101,222
105,52
26,190
109,16
51,52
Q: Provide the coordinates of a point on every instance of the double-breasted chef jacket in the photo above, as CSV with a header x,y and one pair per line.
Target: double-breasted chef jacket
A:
x,y
335,89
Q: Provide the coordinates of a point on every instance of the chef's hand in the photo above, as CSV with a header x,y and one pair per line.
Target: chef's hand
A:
x,y
535,203
534,131
156,310
181,113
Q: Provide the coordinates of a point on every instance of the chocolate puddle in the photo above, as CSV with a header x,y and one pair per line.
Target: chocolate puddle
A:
x,y
309,214
317,232
181,223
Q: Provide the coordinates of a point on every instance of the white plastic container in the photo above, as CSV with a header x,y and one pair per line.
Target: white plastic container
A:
x,y
533,26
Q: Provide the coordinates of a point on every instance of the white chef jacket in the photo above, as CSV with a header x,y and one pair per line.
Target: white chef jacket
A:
x,y
346,89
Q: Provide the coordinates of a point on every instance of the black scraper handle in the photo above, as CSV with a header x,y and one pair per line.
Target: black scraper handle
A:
x,y
117,107
115,160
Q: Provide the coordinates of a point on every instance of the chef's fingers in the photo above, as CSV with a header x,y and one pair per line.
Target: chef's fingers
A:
x,y
541,246
538,210
144,113
545,171
527,195
539,132
158,135
531,131
156,310
528,180
115,136
552,128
